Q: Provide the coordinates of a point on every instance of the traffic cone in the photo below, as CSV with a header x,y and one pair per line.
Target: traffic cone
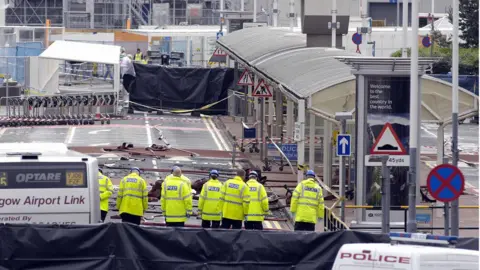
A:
x,y
97,114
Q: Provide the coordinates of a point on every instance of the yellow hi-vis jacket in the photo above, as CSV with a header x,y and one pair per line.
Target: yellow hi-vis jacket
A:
x,y
307,201
235,199
132,195
106,190
258,207
209,203
138,56
176,200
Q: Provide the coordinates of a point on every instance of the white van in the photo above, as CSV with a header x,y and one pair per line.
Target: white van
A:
x,y
406,257
45,183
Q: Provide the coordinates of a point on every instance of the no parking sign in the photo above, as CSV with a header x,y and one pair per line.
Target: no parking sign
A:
x,y
445,183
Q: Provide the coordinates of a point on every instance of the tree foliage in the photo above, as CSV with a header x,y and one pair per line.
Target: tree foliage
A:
x,y
468,23
468,59
468,54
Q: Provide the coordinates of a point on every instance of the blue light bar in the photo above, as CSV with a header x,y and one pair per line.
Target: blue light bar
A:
x,y
421,236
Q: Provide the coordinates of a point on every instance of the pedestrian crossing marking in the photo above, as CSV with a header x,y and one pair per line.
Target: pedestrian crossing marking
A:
x,y
277,225
268,224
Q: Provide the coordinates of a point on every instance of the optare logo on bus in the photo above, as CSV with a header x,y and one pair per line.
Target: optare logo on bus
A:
x,y
38,177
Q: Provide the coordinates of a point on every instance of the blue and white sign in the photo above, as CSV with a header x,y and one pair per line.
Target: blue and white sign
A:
x,y
290,150
219,34
344,146
423,218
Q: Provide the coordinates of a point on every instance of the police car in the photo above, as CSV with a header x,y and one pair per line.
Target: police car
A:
x,y
407,257
45,183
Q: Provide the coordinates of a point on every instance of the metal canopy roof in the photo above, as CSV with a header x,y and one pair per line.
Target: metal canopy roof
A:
x,y
306,71
248,45
282,58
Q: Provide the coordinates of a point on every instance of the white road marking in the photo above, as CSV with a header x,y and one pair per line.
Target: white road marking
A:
x,y
215,129
212,133
147,128
100,144
150,142
2,131
100,130
70,135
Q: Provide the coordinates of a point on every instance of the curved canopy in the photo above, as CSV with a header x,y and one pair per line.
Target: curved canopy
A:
x,y
305,71
250,44
283,59
436,100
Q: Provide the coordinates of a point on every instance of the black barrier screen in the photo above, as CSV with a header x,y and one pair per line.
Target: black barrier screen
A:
x,y
124,246
28,175
180,88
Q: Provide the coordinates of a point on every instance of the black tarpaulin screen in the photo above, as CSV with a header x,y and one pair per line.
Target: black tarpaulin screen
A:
x,y
180,88
125,246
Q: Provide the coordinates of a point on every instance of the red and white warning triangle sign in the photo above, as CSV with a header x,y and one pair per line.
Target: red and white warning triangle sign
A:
x,y
388,143
245,79
262,90
219,52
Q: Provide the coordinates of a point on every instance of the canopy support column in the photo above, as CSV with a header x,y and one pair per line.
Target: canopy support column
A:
x,y
301,143
327,153
311,144
289,118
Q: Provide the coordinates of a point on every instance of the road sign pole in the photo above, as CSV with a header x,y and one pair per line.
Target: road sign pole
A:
x,y
414,122
405,27
343,128
455,50
398,13
385,196
446,183
446,210
262,136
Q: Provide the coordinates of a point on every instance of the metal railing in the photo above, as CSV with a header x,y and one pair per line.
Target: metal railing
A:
x,y
72,109
404,208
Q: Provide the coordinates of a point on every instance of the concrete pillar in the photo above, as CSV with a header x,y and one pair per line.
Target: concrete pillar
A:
x,y
301,143
149,38
290,106
327,153
90,8
188,57
205,56
311,144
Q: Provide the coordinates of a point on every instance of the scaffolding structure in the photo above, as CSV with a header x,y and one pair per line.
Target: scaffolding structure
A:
x,y
113,14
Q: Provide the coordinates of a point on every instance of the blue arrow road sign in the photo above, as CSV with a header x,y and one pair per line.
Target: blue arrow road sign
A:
x,y
344,145
219,34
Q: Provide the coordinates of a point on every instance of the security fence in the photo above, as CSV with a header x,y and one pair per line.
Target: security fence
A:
x,y
429,218
13,69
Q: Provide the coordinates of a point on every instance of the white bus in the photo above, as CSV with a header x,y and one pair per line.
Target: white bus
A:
x,y
45,183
